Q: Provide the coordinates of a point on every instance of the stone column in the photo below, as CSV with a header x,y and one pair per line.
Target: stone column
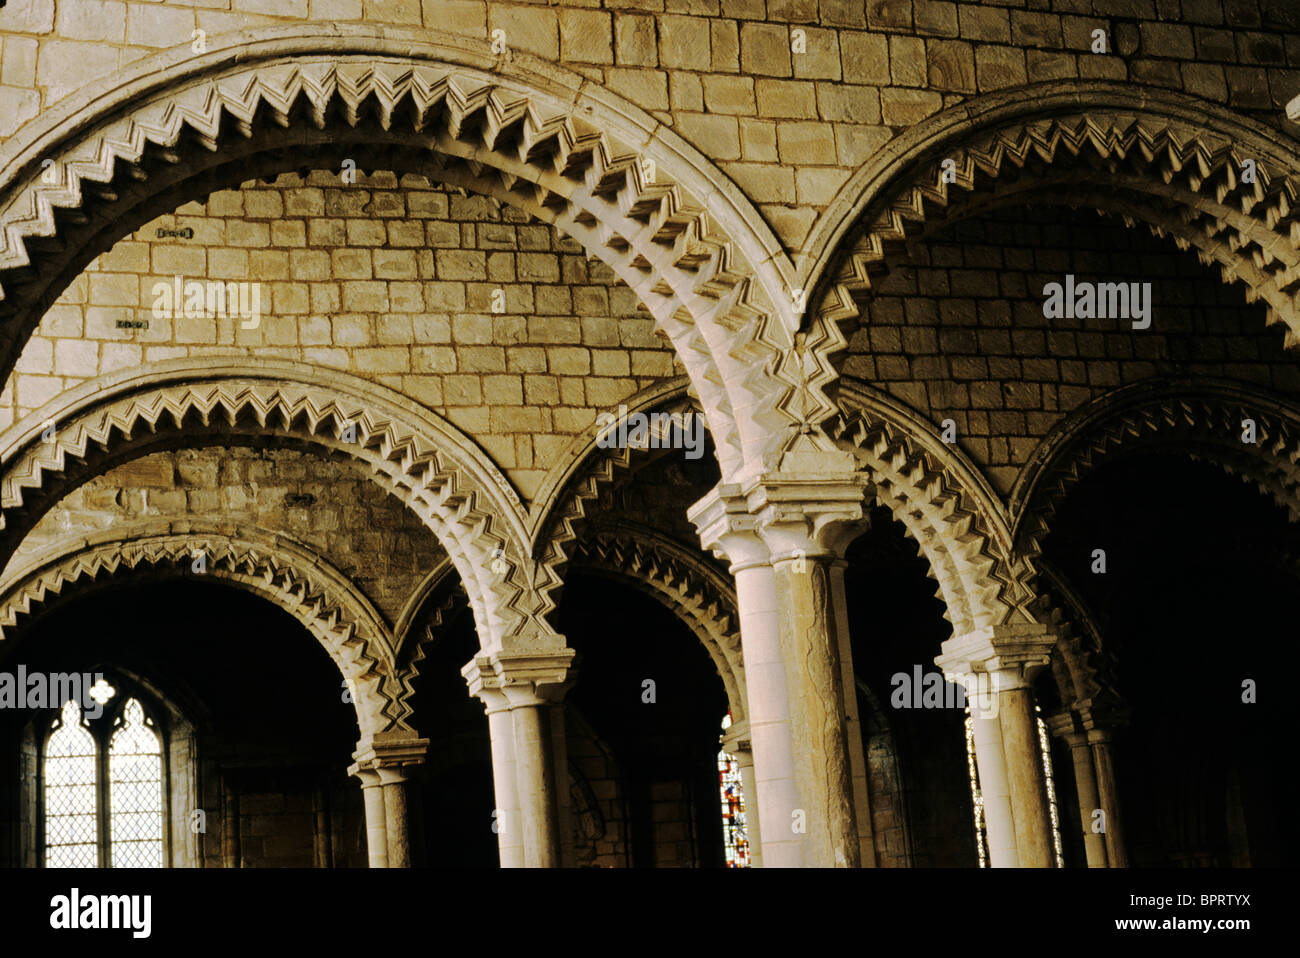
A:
x,y
382,765
1010,655
782,532
1062,726
1098,724
372,793
990,761
727,528
852,720
736,741
517,687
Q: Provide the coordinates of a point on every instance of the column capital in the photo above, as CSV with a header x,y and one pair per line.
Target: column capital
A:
x,y
386,757
1099,719
807,514
783,515
1012,653
512,678
1062,725
736,738
726,528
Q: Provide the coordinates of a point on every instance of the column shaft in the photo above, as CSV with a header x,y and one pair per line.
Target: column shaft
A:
x,y
852,721
995,791
1025,777
372,793
535,779
509,828
1085,783
1116,853
814,685
397,824
769,717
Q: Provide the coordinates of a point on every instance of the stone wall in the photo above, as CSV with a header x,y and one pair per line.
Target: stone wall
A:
x,y
391,283
958,330
787,115
372,538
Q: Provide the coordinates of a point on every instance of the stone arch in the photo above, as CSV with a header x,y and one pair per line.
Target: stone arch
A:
x,y
943,501
1201,418
438,598
1083,667
560,511
683,582
1146,154
631,191
285,572
423,461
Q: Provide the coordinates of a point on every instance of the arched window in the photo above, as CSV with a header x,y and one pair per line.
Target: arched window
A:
x,y
135,799
104,795
71,829
1045,756
735,837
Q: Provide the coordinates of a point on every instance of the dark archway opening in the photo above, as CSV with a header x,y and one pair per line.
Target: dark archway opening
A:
x,y
646,754
1194,602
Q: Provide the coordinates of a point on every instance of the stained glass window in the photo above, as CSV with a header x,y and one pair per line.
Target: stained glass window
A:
x,y
977,800
71,838
1044,746
735,837
103,785
135,798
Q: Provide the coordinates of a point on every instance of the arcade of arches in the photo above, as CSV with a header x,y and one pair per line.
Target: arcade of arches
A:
x,y
312,338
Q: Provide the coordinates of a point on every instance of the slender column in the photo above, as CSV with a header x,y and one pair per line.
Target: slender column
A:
x,y
1010,655
1097,723
382,765
727,528
510,834
789,634
1085,784
560,763
852,721
736,741
529,678
231,856
536,782
396,817
372,793
991,763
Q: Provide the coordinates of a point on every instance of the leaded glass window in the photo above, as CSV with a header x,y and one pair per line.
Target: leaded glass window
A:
x,y
735,837
71,819
135,824
104,796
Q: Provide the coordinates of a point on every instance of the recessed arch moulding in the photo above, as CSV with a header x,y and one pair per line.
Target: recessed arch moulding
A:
x,y
632,192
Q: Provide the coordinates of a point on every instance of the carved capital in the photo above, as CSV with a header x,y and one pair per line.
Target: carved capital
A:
x,y
781,515
727,529
1013,654
1099,719
808,514
520,677
386,758
736,739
